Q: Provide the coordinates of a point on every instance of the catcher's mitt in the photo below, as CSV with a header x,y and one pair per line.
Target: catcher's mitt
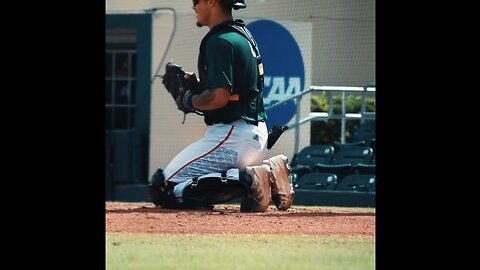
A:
x,y
176,84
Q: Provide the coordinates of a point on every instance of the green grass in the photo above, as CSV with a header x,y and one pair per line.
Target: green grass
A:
x,y
198,252
341,208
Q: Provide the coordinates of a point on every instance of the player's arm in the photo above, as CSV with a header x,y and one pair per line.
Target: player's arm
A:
x,y
211,99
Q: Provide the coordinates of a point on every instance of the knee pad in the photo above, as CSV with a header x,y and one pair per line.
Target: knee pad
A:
x,y
160,192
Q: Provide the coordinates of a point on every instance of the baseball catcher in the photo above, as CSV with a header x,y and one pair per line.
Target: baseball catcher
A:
x,y
228,162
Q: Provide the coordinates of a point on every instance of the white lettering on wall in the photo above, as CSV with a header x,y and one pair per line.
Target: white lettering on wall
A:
x,y
277,91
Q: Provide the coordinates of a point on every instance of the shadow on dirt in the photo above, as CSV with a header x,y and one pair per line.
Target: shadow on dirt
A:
x,y
236,211
154,209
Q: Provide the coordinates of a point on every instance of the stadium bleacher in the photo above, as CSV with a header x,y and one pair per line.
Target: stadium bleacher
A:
x,y
348,170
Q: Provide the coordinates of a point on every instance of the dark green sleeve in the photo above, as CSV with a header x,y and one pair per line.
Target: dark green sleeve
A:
x,y
219,56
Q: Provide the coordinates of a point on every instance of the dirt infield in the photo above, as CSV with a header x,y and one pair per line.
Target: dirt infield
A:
x,y
146,218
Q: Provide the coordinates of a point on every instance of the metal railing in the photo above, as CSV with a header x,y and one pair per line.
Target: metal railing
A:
x,y
323,116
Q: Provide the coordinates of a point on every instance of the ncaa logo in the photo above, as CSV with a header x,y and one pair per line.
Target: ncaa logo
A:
x,y
283,66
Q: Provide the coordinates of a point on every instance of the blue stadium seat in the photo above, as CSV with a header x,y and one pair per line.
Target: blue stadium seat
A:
x,y
345,161
358,183
365,132
366,168
364,135
317,181
309,156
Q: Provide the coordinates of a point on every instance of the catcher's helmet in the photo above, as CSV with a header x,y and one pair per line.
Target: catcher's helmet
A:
x,y
238,4
235,4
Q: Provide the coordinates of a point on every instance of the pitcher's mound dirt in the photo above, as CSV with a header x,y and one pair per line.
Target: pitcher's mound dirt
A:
x,y
146,218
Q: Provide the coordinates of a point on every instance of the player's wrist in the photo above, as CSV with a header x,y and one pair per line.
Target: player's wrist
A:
x,y
187,101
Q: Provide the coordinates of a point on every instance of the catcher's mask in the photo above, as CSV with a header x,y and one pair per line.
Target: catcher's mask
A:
x,y
235,4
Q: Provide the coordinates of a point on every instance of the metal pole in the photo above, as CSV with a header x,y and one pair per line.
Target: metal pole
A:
x,y
344,111
297,127
363,108
330,103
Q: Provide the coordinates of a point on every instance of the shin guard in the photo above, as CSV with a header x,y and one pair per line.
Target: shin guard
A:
x,y
213,190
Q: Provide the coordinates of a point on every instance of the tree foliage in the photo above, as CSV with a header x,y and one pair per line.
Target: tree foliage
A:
x,y
329,131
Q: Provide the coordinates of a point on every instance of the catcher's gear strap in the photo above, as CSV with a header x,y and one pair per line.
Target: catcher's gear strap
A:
x,y
210,189
239,27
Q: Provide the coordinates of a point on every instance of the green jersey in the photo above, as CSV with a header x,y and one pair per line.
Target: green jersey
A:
x,y
229,61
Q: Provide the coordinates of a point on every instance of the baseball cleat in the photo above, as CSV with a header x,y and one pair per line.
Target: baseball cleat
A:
x,y
258,199
282,188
